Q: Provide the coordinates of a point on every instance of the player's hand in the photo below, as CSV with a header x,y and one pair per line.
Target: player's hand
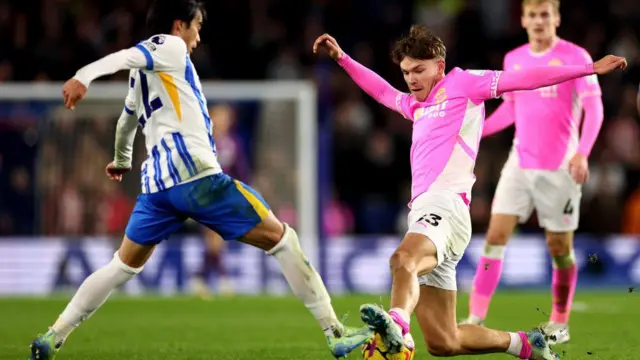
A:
x,y
72,92
579,168
328,43
609,63
115,173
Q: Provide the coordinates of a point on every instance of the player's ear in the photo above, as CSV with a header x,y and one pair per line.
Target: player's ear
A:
x,y
441,66
178,26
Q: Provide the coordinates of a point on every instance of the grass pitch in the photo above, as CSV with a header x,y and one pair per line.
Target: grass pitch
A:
x,y
603,326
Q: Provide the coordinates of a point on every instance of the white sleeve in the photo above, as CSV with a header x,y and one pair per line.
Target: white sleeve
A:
x,y
131,58
160,53
131,99
127,127
164,52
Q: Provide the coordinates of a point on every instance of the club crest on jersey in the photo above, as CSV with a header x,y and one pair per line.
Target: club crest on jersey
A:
x,y
440,96
158,39
555,62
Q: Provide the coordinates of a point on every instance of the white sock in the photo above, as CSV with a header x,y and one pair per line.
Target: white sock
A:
x,y
93,292
494,251
305,282
515,346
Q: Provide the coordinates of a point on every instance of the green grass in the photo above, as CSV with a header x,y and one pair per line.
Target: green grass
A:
x,y
260,328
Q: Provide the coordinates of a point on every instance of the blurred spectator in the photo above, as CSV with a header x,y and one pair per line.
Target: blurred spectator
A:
x,y
67,190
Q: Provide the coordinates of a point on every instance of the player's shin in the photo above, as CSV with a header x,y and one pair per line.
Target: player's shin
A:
x,y
93,292
405,289
485,282
563,287
476,339
305,282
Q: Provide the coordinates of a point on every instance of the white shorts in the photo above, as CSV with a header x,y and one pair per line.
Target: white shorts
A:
x,y
444,218
554,195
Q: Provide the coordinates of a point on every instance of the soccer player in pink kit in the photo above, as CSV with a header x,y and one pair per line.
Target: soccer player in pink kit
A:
x,y
447,111
546,166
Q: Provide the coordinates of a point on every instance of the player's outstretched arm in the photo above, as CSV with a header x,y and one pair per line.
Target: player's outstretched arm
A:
x,y
75,88
537,77
500,119
132,58
370,82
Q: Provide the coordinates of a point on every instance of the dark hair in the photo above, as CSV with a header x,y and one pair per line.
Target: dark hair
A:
x,y
420,44
163,13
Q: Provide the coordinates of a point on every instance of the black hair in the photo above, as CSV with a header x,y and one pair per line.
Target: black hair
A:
x,y
163,13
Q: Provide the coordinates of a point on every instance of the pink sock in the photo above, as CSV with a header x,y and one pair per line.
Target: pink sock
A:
x,y
484,285
526,351
400,320
563,286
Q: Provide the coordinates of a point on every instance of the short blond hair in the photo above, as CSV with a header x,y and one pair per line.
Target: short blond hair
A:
x,y
555,3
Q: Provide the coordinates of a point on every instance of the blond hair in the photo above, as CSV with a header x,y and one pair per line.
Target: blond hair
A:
x,y
555,3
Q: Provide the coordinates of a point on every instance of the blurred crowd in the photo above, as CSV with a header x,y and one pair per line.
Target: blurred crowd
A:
x,y
52,165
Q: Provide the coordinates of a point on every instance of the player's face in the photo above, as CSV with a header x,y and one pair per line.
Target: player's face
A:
x,y
421,75
191,34
540,21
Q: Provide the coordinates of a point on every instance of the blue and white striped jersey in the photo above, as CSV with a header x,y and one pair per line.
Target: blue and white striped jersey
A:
x,y
166,97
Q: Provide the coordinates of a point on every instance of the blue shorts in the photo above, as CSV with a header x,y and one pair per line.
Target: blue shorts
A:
x,y
226,206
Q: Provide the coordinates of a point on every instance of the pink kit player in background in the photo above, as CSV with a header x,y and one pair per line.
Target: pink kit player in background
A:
x,y
546,166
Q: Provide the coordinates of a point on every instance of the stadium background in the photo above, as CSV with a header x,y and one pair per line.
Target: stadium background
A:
x,y
60,217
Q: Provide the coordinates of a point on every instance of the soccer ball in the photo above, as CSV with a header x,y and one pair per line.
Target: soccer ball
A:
x,y
374,349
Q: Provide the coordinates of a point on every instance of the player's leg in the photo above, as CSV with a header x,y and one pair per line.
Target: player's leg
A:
x,y
558,203
148,225
489,268
211,262
236,211
215,249
512,202
563,284
436,315
430,240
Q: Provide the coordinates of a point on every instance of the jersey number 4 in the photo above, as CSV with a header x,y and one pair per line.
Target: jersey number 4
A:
x,y
149,106
568,208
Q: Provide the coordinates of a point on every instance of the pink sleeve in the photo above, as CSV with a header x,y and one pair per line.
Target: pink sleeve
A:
x,y
588,85
500,119
540,76
506,65
593,117
375,86
479,85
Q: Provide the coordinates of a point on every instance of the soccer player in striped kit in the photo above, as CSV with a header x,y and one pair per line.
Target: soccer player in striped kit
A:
x,y
181,178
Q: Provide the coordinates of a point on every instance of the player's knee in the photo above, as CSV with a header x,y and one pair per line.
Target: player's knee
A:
x,y
403,260
444,347
559,244
500,228
118,264
498,237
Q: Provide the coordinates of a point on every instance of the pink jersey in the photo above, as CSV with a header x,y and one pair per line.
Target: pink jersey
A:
x,y
447,128
547,120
